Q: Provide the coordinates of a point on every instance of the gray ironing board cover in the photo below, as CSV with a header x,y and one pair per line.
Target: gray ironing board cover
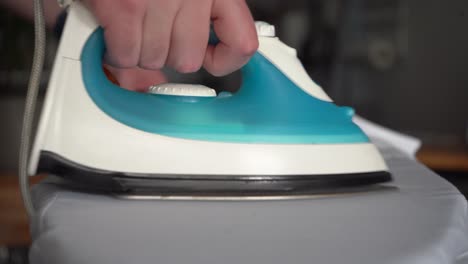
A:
x,y
423,221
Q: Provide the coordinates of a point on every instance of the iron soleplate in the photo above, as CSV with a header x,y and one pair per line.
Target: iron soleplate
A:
x,y
212,187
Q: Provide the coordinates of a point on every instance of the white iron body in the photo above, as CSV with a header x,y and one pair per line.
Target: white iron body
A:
x,y
73,127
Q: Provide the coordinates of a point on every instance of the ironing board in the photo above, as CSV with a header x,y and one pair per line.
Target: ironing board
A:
x,y
423,221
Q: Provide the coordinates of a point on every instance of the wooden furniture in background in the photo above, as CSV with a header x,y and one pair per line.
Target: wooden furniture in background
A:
x,y
444,158
14,228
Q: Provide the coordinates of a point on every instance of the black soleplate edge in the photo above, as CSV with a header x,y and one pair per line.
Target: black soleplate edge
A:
x,y
176,184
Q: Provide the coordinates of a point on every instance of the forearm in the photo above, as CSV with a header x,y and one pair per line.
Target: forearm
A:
x,y
24,8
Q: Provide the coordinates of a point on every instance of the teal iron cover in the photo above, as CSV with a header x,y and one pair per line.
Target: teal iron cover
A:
x,y
268,108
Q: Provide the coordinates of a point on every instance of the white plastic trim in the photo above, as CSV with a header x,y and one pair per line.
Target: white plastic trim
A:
x,y
74,127
182,89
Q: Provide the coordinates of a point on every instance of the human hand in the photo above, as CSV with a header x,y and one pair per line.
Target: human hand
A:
x,y
135,79
151,34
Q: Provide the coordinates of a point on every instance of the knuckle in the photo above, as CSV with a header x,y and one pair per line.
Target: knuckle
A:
x,y
154,58
248,47
155,64
215,71
188,66
123,61
153,55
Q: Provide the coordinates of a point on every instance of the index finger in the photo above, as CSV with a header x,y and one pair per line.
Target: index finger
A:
x,y
238,41
122,22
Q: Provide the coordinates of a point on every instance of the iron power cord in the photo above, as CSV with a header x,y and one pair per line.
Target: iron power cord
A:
x,y
31,98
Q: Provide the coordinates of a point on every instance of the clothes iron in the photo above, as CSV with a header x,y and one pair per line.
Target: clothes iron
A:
x,y
279,134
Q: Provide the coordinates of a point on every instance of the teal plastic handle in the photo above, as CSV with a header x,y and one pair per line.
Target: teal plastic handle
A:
x,y
268,108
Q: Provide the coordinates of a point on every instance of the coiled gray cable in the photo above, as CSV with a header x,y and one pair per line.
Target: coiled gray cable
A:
x,y
31,98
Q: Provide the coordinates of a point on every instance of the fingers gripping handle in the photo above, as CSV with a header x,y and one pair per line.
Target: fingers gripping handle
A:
x,y
282,57
263,30
81,25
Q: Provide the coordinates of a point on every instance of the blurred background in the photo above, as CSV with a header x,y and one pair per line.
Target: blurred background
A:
x,y
358,50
